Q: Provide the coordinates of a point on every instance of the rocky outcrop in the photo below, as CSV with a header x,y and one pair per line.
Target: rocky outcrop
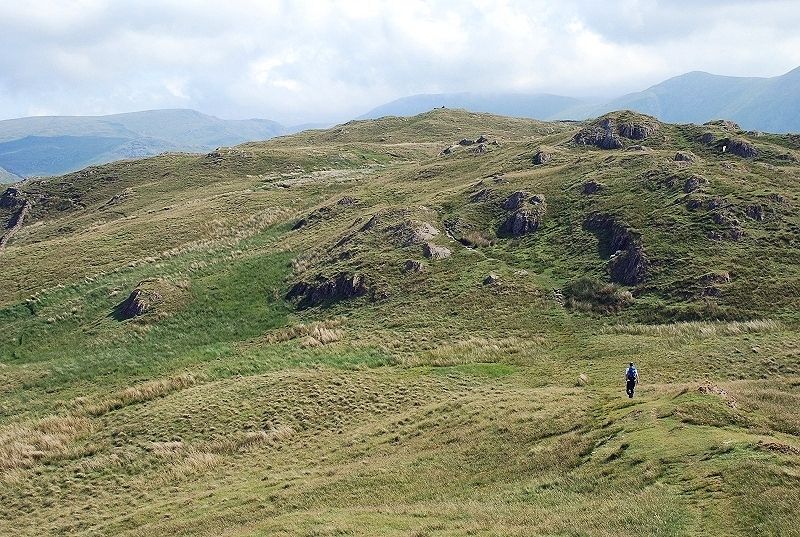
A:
x,y
465,142
491,279
740,147
541,157
323,290
628,264
433,251
755,211
515,200
152,296
481,195
592,187
602,135
684,156
521,222
412,265
607,132
11,198
481,139
694,183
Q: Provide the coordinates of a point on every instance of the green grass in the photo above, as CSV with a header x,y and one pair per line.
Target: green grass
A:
x,y
436,405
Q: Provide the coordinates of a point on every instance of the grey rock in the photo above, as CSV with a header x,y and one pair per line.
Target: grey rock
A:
x,y
433,251
515,200
521,222
541,157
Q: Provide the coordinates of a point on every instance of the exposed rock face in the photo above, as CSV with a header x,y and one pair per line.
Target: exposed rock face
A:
x,y
755,211
465,141
412,265
541,157
347,200
424,232
515,200
481,139
343,286
708,138
725,124
521,222
742,148
693,183
715,203
371,223
602,136
491,279
481,195
480,148
433,251
138,303
628,265
606,134
14,224
684,156
693,204
592,187
11,198
446,151
636,131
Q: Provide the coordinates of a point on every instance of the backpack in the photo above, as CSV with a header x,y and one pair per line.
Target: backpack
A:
x,y
631,373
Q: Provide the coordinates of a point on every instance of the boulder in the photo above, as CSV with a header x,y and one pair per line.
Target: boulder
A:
x,y
465,141
521,222
755,211
592,187
693,204
693,183
481,139
323,290
150,296
347,200
541,157
434,251
480,148
515,200
684,156
412,265
446,151
537,198
424,232
491,279
481,195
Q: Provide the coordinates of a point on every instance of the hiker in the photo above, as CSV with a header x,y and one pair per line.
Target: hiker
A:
x,y
631,379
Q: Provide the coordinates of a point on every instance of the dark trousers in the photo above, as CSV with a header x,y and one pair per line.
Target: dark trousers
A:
x,y
631,384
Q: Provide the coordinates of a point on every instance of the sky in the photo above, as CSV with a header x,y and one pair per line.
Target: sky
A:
x,y
307,61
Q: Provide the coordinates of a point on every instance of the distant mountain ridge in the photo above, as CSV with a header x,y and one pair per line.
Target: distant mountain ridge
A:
x,y
766,104
51,145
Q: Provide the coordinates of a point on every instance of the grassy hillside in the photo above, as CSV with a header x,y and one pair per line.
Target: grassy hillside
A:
x,y
254,341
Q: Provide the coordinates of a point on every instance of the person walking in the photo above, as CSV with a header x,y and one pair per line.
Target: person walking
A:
x,y
631,379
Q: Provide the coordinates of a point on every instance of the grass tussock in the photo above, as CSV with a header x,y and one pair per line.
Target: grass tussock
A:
x,y
701,329
468,351
311,335
22,445
250,440
192,463
587,294
134,394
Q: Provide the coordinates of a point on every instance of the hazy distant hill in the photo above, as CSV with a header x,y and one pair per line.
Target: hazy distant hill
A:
x,y
7,177
59,144
540,105
766,104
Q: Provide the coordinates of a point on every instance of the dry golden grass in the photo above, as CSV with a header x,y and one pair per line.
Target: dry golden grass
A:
x,y
134,394
696,328
22,445
468,351
313,334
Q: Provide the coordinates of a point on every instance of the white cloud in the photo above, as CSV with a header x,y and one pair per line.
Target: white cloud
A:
x,y
328,60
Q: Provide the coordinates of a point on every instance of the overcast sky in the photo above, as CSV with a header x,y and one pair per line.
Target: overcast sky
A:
x,y
314,60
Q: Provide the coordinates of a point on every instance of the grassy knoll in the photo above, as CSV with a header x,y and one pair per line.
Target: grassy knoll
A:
x,y
436,401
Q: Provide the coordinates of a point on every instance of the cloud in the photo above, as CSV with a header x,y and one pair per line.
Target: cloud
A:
x,y
331,60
